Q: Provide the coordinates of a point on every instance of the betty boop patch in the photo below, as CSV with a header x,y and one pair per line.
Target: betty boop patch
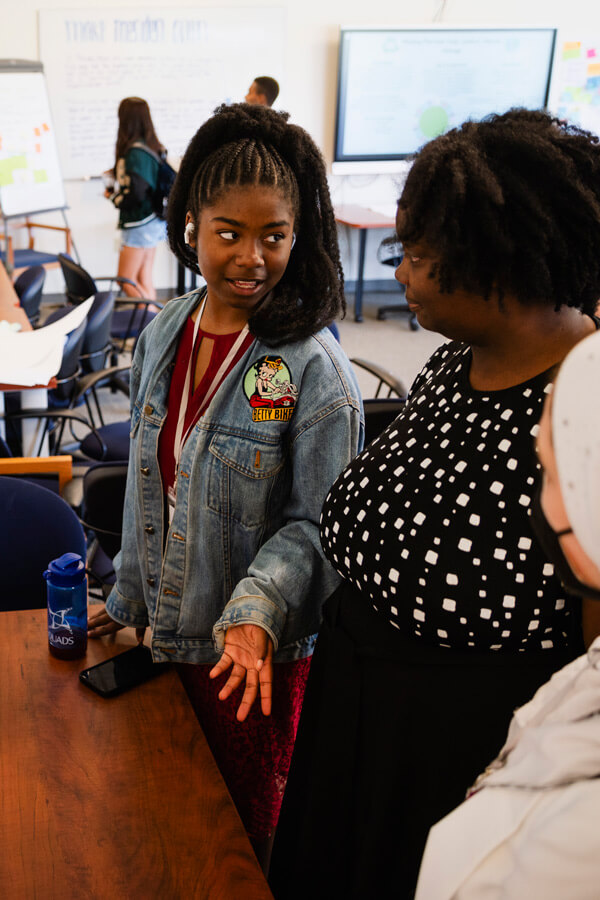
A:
x,y
269,389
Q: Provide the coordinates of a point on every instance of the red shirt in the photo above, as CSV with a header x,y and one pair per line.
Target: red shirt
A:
x,y
222,344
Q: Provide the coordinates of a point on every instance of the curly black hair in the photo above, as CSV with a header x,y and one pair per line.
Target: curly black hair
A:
x,y
254,145
510,205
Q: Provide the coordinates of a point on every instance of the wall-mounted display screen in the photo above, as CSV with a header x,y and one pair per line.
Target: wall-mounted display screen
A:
x,y
398,88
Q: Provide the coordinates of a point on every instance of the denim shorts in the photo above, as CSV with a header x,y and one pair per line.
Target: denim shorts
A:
x,y
148,235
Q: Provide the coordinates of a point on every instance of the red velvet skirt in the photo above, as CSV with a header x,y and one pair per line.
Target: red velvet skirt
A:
x,y
253,756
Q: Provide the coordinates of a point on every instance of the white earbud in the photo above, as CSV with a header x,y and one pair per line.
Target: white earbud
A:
x,y
189,230
293,240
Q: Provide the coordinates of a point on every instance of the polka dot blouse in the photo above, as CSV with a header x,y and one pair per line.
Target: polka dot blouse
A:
x,y
431,521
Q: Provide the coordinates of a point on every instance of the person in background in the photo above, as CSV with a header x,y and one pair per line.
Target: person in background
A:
x,y
449,615
529,827
137,160
244,411
263,91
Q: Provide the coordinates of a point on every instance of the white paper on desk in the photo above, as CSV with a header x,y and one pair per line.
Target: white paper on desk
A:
x,y
34,357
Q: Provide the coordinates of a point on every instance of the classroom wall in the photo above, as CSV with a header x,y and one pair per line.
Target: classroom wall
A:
x,y
308,93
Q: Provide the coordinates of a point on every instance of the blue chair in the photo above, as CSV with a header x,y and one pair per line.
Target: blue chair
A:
x,y
5,451
25,257
108,443
131,314
81,375
94,351
102,516
37,526
381,411
28,287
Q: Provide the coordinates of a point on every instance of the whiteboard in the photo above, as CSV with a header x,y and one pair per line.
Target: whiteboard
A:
x,y
183,61
30,177
575,87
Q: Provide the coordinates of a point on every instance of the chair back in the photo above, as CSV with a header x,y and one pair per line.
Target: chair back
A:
x,y
97,343
28,287
379,413
102,506
66,378
385,379
129,323
5,451
79,284
37,526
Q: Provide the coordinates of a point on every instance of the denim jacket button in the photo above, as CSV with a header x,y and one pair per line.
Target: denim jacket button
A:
x,y
145,470
151,581
149,529
148,410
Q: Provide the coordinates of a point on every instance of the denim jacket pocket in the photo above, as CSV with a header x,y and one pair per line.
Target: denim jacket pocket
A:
x,y
242,476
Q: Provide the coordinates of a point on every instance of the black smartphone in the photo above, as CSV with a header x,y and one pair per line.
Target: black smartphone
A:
x,y
122,672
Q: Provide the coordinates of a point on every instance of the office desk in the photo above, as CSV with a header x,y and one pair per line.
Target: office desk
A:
x,y
360,217
108,798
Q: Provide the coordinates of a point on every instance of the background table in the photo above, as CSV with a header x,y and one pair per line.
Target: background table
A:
x,y
362,218
108,798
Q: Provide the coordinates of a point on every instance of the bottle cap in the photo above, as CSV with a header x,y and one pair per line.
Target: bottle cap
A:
x,y
66,571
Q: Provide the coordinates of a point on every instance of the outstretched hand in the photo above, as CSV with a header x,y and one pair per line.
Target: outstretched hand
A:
x,y
249,650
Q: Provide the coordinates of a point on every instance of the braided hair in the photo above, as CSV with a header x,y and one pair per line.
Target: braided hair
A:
x,y
254,145
510,205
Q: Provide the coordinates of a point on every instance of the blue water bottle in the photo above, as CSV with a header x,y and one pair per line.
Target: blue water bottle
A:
x,y
66,584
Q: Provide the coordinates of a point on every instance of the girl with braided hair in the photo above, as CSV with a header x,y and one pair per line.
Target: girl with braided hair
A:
x,y
449,615
221,554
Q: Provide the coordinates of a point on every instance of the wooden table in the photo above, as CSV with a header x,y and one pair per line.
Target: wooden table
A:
x,y
354,216
102,799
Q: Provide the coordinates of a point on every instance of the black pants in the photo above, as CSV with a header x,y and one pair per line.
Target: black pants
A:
x,y
392,734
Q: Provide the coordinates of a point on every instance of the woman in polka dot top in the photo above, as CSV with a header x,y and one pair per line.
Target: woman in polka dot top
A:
x,y
449,616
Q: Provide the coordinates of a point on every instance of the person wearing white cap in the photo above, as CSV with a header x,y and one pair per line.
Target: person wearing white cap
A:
x,y
529,826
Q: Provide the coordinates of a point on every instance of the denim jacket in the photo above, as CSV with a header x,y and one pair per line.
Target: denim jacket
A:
x,y
243,544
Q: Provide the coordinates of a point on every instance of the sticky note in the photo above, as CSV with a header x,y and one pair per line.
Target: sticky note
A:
x,y
571,50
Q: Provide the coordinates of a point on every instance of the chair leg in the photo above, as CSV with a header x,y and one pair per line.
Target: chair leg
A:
x,y
98,409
